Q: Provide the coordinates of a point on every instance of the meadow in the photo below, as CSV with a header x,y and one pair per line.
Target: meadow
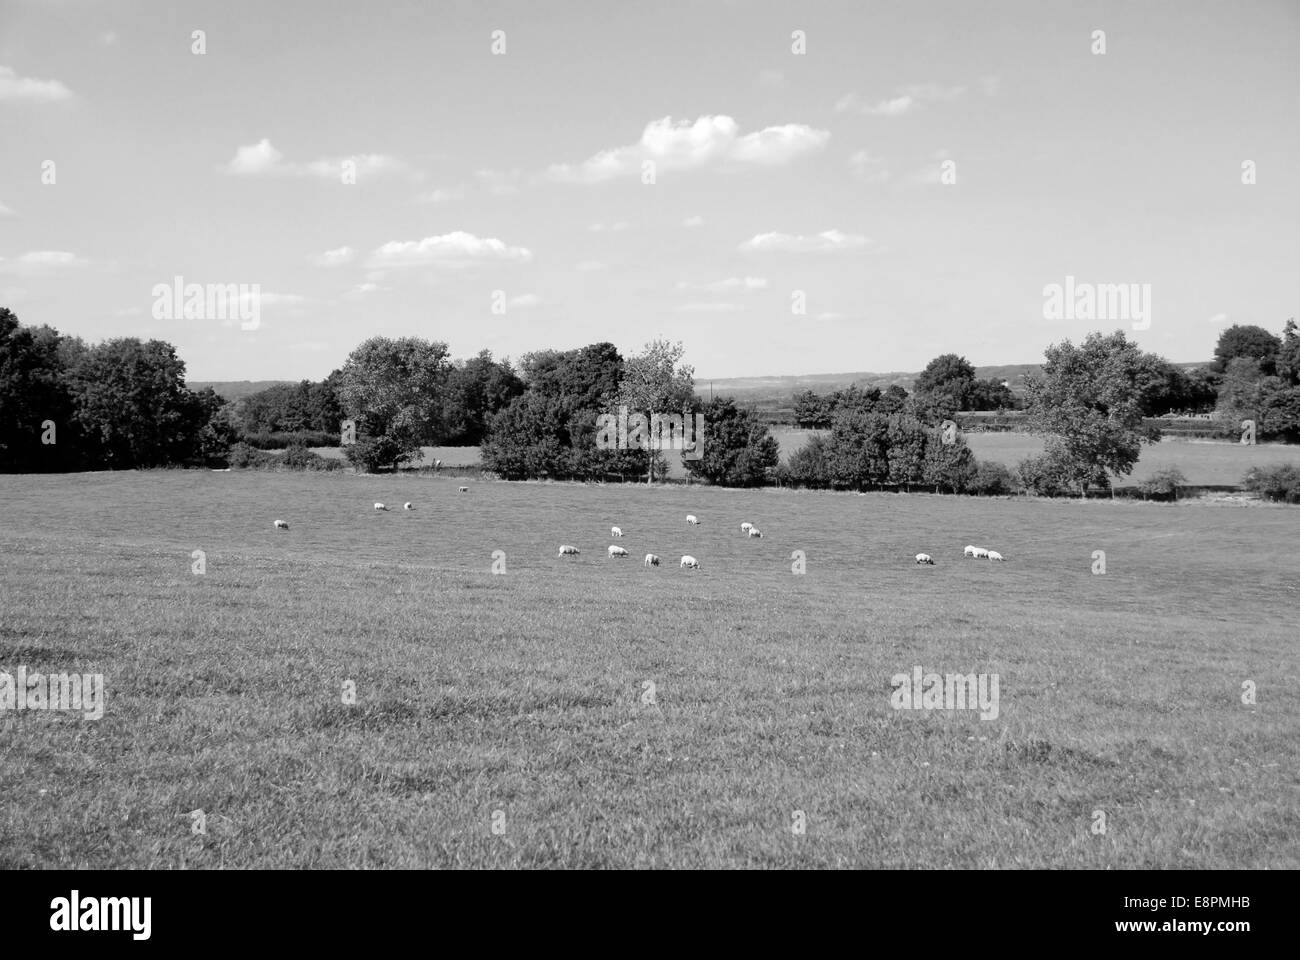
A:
x,y
506,719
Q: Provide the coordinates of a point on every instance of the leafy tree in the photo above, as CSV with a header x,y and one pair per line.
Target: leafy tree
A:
x,y
859,449
947,466
132,406
812,410
656,381
906,439
476,389
810,465
1288,356
943,387
738,452
990,394
991,479
33,390
395,390
1089,401
1163,484
1248,341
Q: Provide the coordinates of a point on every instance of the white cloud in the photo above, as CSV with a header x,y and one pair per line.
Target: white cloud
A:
x,y
771,78
731,283
616,227
108,39
6,211
524,301
932,172
14,87
693,222
337,257
902,102
711,306
868,166
441,195
710,141
262,158
829,241
500,183
362,289
256,158
590,266
457,249
41,263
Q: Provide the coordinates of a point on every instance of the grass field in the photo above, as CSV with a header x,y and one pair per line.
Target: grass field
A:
x,y
524,693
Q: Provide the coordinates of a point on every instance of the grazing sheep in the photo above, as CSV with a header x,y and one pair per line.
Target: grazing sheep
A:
x,y
408,506
971,551
464,489
692,519
925,558
281,525
651,560
981,552
615,532
994,555
755,532
380,506
616,551
568,550
690,563
746,527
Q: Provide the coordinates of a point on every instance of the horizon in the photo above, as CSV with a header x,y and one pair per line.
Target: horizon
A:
x,y
914,177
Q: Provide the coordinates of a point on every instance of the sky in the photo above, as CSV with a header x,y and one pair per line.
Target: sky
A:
x,y
837,186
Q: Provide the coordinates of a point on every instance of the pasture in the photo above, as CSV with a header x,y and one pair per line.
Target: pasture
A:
x,y
504,720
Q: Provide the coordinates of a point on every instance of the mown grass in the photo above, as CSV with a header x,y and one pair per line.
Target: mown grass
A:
x,y
522,692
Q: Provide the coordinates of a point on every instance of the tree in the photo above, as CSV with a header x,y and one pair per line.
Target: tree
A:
x,y
395,390
1288,356
738,451
990,394
476,389
656,381
943,387
809,465
132,406
947,466
812,410
1248,341
1089,401
34,392
906,439
859,449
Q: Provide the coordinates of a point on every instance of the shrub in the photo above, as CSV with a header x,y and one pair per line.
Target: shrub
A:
x,y
1041,475
1280,481
991,479
243,456
1163,484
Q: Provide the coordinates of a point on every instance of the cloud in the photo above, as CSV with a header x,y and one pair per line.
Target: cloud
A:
x,y
14,87
903,101
361,289
771,78
108,39
591,266
6,211
256,158
1219,318
263,159
731,283
441,195
711,306
990,85
41,263
524,301
711,141
336,258
829,241
457,249
693,222
617,227
932,172
868,166
500,183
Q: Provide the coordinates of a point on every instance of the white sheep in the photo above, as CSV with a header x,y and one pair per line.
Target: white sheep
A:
x,y
568,550
755,532
690,563
615,532
925,558
380,506
692,519
976,552
651,560
408,506
994,555
464,489
746,527
281,525
616,551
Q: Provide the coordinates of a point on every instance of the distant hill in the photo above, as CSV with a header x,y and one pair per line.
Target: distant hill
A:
x,y
234,389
